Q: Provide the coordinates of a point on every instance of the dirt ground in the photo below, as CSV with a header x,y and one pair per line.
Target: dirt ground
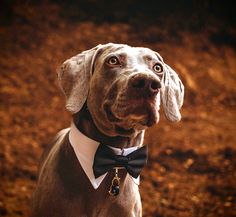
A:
x,y
191,170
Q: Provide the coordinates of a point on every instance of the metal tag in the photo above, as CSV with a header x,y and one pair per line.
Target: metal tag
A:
x,y
115,184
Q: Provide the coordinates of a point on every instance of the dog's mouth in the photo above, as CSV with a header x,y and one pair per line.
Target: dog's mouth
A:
x,y
138,114
110,116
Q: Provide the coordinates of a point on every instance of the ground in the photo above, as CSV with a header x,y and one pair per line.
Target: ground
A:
x,y
191,170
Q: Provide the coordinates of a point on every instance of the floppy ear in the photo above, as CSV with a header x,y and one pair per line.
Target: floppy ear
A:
x,y
172,94
74,76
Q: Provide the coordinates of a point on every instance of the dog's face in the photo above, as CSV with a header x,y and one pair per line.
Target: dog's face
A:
x,y
122,86
124,92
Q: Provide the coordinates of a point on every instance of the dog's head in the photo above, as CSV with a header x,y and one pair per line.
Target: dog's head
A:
x,y
122,86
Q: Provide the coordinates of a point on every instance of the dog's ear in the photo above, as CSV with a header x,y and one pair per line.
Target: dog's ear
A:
x,y
74,76
172,94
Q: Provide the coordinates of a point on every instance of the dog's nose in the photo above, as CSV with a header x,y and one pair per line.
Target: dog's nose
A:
x,y
146,85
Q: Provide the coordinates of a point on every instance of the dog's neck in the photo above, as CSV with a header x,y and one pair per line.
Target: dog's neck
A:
x,y
85,124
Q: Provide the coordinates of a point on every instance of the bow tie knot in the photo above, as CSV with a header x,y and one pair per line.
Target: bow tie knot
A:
x,y
122,160
105,159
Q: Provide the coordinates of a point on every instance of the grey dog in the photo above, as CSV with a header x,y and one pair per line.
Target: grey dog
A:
x,y
114,93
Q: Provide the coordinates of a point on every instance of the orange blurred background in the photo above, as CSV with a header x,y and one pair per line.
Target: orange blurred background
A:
x,y
192,166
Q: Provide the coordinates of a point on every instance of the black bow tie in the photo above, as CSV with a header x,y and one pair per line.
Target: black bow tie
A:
x,y
105,159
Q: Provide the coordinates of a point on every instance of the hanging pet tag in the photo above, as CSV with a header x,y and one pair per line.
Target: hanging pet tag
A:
x,y
115,184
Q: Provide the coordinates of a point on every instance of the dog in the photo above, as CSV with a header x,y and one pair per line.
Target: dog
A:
x,y
113,92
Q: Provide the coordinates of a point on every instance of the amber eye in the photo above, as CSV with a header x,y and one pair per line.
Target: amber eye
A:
x,y
158,68
113,61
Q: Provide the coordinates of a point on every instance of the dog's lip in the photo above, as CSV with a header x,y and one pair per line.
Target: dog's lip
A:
x,y
149,105
110,116
153,114
152,119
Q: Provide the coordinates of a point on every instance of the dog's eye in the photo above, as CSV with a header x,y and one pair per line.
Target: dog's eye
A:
x,y
113,61
158,68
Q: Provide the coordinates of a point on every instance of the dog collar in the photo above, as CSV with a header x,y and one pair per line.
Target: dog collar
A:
x,y
85,149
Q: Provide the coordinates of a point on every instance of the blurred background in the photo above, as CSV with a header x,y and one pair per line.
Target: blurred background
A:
x,y
191,170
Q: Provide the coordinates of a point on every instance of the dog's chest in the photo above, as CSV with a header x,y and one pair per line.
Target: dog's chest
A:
x,y
100,203
82,198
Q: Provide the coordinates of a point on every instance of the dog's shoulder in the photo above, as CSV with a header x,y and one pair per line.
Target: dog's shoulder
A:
x,y
56,141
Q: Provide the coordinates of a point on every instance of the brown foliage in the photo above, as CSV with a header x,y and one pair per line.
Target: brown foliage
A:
x,y
191,170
